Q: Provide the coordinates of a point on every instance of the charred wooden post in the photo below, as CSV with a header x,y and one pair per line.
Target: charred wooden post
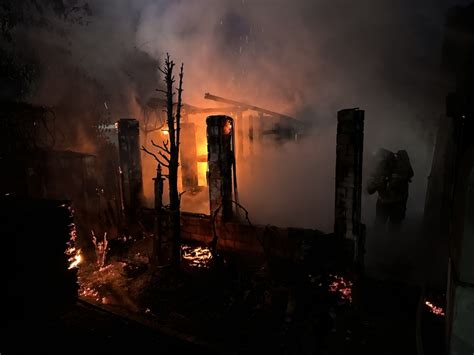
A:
x,y
130,166
158,240
220,162
349,150
189,171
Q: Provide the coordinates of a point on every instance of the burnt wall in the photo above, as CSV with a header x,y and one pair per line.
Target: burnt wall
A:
x,y
295,244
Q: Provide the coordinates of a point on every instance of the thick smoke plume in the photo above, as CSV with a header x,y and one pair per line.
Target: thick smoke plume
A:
x,y
307,59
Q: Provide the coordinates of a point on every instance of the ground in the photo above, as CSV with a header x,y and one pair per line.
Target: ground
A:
x,y
249,306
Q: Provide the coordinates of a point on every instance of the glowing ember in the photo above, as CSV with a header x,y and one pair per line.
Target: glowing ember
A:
x,y
75,257
75,260
342,287
435,309
89,293
198,256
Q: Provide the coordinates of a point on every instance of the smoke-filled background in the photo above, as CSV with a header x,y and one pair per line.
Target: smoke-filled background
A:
x,y
307,59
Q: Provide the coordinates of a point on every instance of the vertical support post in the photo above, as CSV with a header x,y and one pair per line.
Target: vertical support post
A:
x,y
240,136
220,161
349,152
260,129
130,166
188,155
251,120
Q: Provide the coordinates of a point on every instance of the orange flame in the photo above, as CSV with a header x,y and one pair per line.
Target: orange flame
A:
x,y
197,257
75,257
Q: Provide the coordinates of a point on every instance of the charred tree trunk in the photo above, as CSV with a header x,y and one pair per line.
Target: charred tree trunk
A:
x,y
158,240
168,155
174,131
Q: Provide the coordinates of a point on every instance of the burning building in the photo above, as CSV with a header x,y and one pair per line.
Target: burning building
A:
x,y
199,220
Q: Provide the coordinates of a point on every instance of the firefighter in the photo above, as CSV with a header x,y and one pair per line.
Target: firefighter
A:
x,y
390,179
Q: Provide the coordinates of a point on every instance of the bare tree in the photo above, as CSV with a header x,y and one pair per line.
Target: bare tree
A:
x,y
168,152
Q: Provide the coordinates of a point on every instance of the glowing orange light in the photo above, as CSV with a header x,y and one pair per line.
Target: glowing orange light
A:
x,y
228,127
198,256
341,287
75,260
435,309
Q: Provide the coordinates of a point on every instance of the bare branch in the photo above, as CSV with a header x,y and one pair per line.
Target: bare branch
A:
x,y
162,71
164,157
164,147
154,156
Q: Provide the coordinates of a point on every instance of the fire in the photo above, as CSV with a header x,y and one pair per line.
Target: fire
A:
x,y
228,128
201,150
435,309
74,254
202,171
75,260
199,257
342,287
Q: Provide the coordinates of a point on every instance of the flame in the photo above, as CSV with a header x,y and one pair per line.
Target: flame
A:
x,y
75,260
199,257
228,127
202,173
74,254
201,150
435,309
342,287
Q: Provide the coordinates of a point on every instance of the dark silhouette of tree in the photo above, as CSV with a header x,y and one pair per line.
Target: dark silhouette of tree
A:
x,y
168,152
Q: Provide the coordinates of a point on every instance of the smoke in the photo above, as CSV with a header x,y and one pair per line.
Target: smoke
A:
x,y
307,59
310,59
